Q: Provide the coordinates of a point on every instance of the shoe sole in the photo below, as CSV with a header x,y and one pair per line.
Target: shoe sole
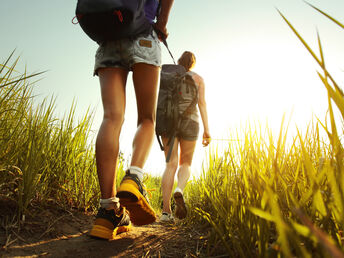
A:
x,y
102,232
181,210
140,212
170,221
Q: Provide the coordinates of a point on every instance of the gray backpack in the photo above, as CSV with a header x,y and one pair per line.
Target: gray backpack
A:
x,y
178,95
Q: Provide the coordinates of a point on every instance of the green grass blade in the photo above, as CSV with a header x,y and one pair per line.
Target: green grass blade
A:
x,y
301,39
325,14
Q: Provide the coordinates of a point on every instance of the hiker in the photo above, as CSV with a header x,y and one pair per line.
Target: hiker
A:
x,y
186,140
113,61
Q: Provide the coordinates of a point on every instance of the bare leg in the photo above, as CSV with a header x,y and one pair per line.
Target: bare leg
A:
x,y
145,79
186,152
112,83
187,149
168,176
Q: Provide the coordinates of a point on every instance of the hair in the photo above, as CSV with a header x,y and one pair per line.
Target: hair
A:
x,y
188,60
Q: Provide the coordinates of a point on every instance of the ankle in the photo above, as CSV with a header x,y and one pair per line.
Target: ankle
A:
x,y
178,190
110,203
136,171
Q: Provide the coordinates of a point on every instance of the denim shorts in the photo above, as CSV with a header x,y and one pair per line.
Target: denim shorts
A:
x,y
124,53
188,130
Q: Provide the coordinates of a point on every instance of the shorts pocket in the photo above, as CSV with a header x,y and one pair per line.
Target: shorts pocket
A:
x,y
148,49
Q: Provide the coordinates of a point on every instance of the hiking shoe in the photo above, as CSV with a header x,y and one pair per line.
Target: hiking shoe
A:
x,y
181,210
108,224
166,218
133,196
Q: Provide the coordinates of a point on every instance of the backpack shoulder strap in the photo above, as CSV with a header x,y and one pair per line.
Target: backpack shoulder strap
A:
x,y
166,45
159,141
163,39
171,143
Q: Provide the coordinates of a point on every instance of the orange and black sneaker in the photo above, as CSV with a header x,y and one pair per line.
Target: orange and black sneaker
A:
x,y
108,224
133,196
181,210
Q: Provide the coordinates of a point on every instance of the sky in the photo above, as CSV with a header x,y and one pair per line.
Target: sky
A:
x,y
254,67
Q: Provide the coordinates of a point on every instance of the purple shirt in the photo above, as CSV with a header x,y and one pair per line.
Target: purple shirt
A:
x,y
151,8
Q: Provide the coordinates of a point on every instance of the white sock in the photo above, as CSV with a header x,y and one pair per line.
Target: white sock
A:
x,y
178,190
136,171
110,203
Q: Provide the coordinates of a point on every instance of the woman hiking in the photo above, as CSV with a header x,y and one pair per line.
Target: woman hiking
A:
x,y
113,61
186,140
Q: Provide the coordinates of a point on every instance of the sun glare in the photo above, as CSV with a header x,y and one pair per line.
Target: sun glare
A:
x,y
261,84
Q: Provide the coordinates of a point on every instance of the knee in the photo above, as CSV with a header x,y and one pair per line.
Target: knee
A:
x,y
185,161
185,166
115,118
148,119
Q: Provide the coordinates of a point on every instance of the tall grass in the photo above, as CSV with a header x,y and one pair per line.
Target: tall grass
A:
x,y
270,198
42,159
45,160
262,197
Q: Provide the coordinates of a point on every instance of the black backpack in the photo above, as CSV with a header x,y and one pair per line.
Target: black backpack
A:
x,y
174,81
105,20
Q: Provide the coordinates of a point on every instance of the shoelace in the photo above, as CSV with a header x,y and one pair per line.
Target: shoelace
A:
x,y
145,178
149,191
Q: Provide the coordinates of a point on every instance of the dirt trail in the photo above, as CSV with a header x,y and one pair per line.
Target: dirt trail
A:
x,y
67,236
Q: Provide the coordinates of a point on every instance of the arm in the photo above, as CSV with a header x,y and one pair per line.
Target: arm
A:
x,y
202,105
161,23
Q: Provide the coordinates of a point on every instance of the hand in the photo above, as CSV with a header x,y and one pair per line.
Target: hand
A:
x,y
160,28
206,139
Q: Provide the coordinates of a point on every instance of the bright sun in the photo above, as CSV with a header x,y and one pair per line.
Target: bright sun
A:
x,y
250,86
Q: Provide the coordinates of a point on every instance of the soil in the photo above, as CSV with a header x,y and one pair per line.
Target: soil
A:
x,y
56,233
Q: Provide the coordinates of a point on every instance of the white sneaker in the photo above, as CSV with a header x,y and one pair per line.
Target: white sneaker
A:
x,y
166,218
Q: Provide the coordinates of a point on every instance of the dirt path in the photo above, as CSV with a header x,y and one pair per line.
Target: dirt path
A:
x,y
67,236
